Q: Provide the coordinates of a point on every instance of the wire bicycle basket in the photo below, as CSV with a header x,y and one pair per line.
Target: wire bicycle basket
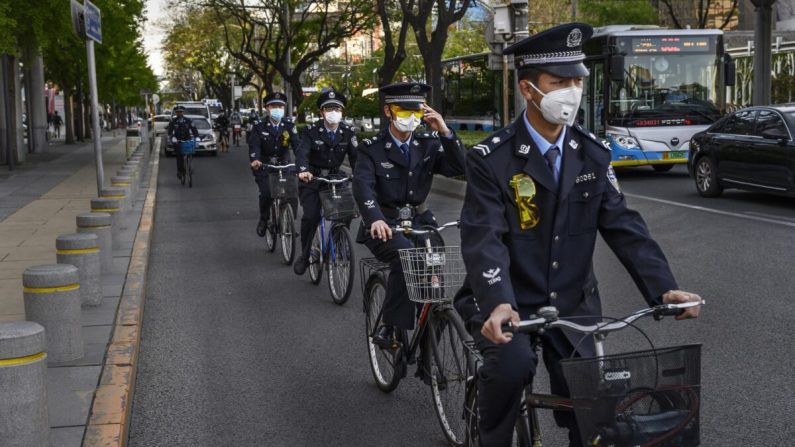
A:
x,y
283,186
643,398
432,275
188,147
338,202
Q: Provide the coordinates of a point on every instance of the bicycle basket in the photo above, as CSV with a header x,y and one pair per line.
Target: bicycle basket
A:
x,y
285,187
432,277
644,398
339,204
188,147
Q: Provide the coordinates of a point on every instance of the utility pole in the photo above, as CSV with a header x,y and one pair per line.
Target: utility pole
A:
x,y
763,37
287,86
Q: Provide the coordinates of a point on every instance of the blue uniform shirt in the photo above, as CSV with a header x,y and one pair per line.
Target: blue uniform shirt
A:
x,y
542,144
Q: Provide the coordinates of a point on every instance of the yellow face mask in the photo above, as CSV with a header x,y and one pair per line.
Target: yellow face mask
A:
x,y
524,190
406,113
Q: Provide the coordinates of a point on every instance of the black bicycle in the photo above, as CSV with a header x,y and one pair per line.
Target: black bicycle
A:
x,y
188,149
433,275
644,398
281,224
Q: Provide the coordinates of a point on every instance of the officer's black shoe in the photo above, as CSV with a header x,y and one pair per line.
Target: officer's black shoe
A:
x,y
300,265
424,374
384,337
262,226
180,175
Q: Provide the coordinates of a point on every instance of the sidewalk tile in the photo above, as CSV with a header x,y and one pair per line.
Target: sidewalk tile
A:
x,y
67,436
69,394
100,315
95,339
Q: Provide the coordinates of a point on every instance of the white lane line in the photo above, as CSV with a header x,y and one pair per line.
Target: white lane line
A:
x,y
714,211
773,216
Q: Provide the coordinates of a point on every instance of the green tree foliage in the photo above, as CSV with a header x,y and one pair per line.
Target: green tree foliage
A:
x,y
468,38
614,12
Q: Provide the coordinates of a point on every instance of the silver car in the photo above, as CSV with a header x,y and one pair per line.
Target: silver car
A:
x,y
207,143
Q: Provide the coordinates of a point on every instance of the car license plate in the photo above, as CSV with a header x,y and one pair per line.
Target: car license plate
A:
x,y
673,155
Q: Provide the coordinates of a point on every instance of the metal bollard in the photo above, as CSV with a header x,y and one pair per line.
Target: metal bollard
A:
x,y
99,224
24,420
82,251
118,192
112,207
52,299
125,181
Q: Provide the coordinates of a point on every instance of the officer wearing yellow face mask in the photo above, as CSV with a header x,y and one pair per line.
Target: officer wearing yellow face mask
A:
x,y
537,193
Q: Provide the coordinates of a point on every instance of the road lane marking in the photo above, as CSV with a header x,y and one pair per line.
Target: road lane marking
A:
x,y
749,216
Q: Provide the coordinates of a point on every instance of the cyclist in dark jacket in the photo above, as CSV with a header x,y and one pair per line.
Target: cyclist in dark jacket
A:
x,y
181,128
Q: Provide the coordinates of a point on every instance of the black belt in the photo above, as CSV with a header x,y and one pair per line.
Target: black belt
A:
x,y
404,213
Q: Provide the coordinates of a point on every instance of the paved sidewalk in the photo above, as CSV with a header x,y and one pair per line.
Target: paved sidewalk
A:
x,y
38,202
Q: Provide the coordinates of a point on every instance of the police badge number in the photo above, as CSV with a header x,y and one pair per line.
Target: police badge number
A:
x,y
611,176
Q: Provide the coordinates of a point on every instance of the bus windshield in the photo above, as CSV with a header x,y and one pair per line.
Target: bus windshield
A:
x,y
665,85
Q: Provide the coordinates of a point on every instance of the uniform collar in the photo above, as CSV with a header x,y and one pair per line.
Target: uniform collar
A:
x,y
396,140
541,143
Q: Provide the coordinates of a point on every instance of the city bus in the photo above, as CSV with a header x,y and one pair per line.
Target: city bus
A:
x,y
651,89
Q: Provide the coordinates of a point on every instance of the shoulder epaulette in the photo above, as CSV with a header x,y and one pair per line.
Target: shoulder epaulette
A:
x,y
367,142
591,136
430,134
494,142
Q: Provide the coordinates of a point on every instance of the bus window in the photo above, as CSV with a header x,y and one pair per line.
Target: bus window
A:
x,y
598,75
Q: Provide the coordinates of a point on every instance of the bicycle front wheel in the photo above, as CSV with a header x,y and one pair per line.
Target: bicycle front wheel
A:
x,y
287,233
316,258
340,265
450,365
270,230
189,170
387,365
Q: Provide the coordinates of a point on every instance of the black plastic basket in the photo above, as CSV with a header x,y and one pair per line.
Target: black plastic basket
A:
x,y
338,204
644,398
285,187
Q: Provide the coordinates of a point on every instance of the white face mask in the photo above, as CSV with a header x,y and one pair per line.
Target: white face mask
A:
x,y
277,114
560,106
407,124
333,118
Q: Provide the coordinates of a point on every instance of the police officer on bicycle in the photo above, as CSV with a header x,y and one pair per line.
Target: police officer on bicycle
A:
x,y
321,151
537,192
393,177
180,128
271,141
222,126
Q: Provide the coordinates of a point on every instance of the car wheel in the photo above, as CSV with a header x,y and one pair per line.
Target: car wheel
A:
x,y
706,175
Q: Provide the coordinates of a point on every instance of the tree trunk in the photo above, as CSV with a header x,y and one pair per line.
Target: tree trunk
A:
x,y
69,122
78,105
433,72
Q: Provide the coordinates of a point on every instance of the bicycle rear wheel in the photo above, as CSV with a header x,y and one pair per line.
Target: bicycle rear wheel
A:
x,y
189,170
316,258
270,229
387,365
340,265
450,365
287,233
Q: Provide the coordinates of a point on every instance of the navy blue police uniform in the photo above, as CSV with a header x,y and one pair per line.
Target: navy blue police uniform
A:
x,y
386,181
549,263
321,153
271,144
181,128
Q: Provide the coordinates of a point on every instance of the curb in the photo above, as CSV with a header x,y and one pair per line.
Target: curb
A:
x,y
109,418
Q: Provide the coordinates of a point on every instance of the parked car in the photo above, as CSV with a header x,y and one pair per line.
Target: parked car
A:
x,y
161,124
749,149
363,124
207,143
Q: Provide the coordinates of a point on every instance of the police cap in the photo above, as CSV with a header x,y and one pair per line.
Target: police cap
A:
x,y
179,108
331,97
409,95
557,50
276,98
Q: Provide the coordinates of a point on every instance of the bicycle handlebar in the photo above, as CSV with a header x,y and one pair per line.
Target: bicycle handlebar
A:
x,y
411,230
332,181
549,319
279,167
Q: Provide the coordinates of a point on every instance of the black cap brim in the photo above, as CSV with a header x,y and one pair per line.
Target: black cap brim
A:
x,y
409,105
565,70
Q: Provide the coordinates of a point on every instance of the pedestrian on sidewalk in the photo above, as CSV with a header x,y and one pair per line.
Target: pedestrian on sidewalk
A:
x,y
56,124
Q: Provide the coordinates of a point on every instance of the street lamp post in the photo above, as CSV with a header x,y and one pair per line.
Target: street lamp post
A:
x,y
763,37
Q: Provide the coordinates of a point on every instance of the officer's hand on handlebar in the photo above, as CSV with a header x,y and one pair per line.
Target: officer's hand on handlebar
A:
x,y
174,140
305,177
380,230
679,296
492,328
256,164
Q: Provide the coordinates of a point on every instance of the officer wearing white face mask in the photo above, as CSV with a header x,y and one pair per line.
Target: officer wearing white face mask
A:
x,y
393,177
322,150
537,193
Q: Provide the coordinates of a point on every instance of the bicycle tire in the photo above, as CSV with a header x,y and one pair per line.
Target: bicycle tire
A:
x,y
388,366
316,258
270,229
449,364
340,269
287,233
189,170
184,173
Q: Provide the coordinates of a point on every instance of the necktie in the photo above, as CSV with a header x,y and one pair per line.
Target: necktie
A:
x,y
332,136
552,157
405,149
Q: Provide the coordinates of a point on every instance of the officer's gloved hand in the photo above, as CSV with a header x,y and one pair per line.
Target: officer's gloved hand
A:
x,y
174,140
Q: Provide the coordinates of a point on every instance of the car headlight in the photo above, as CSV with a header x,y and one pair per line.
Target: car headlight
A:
x,y
624,141
694,146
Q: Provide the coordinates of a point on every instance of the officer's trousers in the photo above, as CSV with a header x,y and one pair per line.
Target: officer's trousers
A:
x,y
180,159
311,209
398,310
265,199
507,369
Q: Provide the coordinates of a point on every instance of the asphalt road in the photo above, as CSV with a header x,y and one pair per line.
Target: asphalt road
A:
x,y
238,351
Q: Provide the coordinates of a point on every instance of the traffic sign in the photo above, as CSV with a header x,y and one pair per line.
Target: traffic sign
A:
x,y
77,19
238,91
155,99
93,21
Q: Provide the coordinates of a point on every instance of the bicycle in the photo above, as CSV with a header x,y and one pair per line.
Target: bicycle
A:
x,y
280,218
223,139
433,275
188,148
236,131
334,249
642,398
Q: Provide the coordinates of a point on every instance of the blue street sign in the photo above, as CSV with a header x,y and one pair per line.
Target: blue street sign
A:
x,y
93,21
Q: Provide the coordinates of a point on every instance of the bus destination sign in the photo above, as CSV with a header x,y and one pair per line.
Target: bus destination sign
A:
x,y
671,44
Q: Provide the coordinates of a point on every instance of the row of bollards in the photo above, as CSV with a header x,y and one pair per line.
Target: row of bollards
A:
x,y
54,295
